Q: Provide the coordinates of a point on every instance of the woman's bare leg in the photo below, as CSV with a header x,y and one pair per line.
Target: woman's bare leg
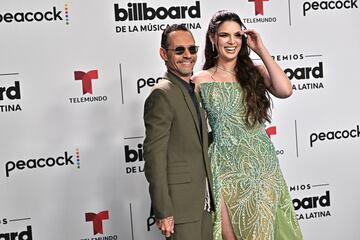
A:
x,y
226,227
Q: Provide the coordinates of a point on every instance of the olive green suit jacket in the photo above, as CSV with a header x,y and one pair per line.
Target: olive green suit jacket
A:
x,y
175,152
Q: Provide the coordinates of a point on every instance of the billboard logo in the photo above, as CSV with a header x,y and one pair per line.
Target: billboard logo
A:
x,y
134,156
315,205
12,92
140,11
259,6
97,219
24,235
143,13
312,202
305,72
305,77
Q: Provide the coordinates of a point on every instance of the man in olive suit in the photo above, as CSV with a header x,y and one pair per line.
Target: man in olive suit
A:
x,y
175,147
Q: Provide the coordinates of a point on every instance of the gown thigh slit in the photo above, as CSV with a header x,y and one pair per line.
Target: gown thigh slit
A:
x,y
246,171
227,228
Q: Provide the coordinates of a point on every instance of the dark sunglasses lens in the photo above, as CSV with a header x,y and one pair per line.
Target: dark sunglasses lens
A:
x,y
193,49
179,50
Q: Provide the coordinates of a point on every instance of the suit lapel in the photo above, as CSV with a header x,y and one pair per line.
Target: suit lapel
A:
x,y
187,99
203,120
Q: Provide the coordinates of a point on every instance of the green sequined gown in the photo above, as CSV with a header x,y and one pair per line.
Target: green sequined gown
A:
x,y
246,170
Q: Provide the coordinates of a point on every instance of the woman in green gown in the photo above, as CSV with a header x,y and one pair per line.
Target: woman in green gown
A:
x,y
251,196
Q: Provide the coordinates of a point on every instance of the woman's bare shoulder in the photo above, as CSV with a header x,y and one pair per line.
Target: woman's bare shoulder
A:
x,y
202,76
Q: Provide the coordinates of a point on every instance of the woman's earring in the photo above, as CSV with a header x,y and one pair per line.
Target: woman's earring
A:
x,y
213,47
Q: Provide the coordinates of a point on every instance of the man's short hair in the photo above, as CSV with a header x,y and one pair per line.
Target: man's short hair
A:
x,y
168,30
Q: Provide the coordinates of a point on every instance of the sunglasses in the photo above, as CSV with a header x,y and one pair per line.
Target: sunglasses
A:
x,y
181,50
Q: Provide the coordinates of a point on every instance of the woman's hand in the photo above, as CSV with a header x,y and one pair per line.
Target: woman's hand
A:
x,y
275,79
254,41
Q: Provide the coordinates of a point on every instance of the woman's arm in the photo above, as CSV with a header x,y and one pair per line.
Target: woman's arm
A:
x,y
275,78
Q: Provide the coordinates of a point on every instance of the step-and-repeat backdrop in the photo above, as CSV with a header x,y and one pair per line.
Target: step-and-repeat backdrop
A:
x,y
73,79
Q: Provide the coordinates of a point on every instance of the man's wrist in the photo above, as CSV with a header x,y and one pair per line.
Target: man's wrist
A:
x,y
167,219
